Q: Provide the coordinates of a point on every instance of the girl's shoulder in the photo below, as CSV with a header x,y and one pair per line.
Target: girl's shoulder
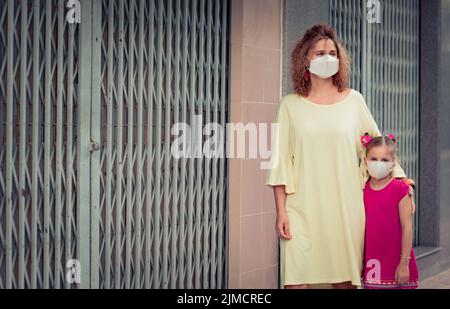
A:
x,y
399,183
401,188
396,184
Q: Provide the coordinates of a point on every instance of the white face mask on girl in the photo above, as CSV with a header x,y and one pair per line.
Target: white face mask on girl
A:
x,y
379,169
324,67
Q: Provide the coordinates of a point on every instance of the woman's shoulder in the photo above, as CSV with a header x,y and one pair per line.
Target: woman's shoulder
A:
x,y
293,98
356,95
296,96
359,101
354,91
288,101
290,97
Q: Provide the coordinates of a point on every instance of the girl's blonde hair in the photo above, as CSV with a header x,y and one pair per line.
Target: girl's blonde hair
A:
x,y
383,141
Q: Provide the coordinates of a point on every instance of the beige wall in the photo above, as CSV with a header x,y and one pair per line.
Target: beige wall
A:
x,y
255,93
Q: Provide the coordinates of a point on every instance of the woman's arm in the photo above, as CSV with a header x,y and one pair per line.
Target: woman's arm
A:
x,y
368,124
412,186
405,211
282,224
282,174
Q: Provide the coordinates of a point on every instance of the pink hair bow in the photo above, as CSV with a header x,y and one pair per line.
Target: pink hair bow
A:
x,y
391,136
366,139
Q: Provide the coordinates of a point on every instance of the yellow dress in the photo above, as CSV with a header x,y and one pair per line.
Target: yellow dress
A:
x,y
319,153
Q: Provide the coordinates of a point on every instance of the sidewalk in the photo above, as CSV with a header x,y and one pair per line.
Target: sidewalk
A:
x,y
440,281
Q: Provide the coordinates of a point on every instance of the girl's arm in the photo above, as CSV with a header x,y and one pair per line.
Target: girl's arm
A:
x,y
282,225
405,211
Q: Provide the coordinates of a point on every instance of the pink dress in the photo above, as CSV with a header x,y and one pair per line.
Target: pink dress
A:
x,y
383,239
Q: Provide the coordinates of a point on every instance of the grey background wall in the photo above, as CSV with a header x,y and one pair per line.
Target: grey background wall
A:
x,y
443,117
298,15
444,129
434,224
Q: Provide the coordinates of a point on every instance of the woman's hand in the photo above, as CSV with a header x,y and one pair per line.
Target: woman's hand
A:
x,y
402,273
411,183
282,226
411,194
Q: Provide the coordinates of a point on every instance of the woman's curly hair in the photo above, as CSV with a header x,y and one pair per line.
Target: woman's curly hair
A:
x,y
301,50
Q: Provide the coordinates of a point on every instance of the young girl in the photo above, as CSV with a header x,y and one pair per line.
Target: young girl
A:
x,y
389,257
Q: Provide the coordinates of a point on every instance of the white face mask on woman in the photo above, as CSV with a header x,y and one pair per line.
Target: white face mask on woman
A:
x,y
324,67
379,169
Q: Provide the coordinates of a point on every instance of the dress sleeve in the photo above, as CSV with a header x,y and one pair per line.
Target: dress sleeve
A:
x,y
282,172
369,125
402,190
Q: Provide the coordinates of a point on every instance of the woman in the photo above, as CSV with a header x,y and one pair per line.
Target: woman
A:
x,y
320,173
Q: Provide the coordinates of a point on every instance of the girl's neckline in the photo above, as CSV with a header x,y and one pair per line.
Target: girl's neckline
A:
x,y
329,105
376,190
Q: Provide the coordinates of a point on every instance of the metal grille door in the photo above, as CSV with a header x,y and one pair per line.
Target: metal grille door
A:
x,y
385,59
86,112
38,143
161,219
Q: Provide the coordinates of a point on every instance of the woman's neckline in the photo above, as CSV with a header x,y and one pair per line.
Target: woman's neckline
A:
x,y
385,186
329,105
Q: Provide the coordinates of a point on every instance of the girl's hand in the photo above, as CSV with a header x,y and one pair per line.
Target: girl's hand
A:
x,y
402,273
282,226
